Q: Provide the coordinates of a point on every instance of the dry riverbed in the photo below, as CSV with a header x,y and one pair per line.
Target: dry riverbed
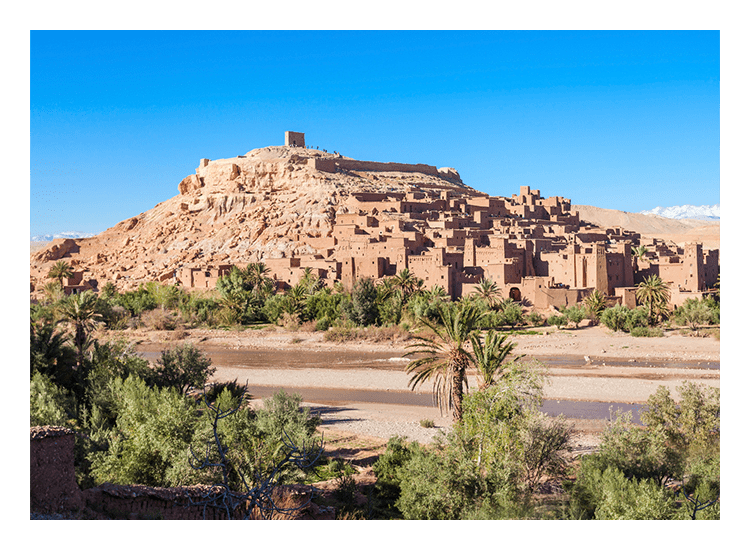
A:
x,y
587,364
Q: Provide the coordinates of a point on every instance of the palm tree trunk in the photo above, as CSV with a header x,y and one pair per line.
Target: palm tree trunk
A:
x,y
457,390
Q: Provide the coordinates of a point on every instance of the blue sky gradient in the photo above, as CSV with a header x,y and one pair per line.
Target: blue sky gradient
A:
x,y
622,120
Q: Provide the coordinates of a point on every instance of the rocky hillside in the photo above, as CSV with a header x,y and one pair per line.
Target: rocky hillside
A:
x,y
235,210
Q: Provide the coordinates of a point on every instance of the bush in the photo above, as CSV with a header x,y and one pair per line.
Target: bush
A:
x,y
535,319
149,446
621,318
647,332
633,499
513,314
50,405
558,321
160,319
575,314
364,307
637,317
615,318
183,367
637,452
389,471
281,416
695,312
623,479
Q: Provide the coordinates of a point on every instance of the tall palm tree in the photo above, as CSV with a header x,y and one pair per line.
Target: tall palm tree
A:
x,y
445,358
80,312
654,294
488,291
490,355
61,270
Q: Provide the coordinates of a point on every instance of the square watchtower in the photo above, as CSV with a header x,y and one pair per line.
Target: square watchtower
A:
x,y
294,139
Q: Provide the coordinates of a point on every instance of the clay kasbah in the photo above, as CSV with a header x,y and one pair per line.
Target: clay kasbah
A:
x,y
293,208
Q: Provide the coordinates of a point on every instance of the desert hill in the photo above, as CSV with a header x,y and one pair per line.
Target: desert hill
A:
x,y
678,231
271,203
263,204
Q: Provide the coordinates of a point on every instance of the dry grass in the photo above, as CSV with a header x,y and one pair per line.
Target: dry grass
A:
x,y
373,334
160,319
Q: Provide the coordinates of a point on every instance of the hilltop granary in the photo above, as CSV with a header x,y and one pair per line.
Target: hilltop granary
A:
x,y
298,209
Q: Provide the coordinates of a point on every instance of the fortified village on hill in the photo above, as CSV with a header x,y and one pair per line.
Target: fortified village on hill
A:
x,y
534,248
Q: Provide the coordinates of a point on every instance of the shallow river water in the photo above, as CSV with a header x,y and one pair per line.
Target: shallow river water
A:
x,y
333,360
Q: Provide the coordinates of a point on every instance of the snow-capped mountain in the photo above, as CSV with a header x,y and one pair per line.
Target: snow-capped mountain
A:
x,y
686,211
62,235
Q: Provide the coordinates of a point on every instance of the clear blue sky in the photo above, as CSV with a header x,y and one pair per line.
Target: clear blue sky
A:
x,y
623,120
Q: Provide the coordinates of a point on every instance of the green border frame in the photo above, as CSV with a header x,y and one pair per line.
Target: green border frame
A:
x,y
291,14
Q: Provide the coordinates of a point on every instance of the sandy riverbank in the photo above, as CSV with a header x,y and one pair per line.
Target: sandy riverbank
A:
x,y
635,372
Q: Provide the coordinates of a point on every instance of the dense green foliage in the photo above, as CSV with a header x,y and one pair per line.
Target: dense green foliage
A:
x,y
623,319
694,313
661,470
137,424
487,467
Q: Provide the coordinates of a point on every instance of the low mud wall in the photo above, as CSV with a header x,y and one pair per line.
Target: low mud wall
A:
x,y
53,478
54,489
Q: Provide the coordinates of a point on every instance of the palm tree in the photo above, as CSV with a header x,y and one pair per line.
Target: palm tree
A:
x,y
488,291
638,253
61,270
596,302
654,294
445,360
405,281
79,311
489,356
256,273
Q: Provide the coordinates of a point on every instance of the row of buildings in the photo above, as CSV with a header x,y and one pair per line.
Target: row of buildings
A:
x,y
535,249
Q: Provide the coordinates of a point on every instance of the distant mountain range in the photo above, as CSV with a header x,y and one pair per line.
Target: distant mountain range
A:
x,y
686,211
63,235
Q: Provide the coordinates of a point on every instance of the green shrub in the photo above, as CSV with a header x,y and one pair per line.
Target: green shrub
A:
x,y
695,312
182,367
50,405
322,324
389,471
575,314
637,452
282,418
535,319
637,317
615,318
153,431
621,318
513,314
558,321
633,499
647,332
364,307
